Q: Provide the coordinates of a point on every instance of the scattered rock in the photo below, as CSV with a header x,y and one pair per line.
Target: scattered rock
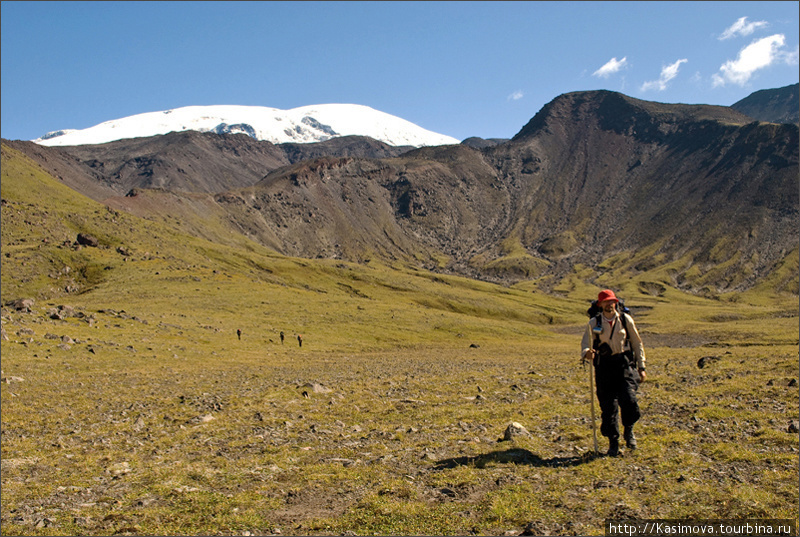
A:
x,y
62,312
515,430
119,469
450,493
534,528
622,511
793,428
792,383
9,380
474,346
45,523
23,304
316,387
82,521
85,239
344,462
184,489
706,360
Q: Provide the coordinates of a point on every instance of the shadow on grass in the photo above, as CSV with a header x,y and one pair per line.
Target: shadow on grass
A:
x,y
515,456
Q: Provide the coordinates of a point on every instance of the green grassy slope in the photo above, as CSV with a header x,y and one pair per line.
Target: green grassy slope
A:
x,y
154,269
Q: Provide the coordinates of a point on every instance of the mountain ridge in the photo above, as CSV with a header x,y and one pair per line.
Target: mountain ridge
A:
x,y
623,187
780,105
188,161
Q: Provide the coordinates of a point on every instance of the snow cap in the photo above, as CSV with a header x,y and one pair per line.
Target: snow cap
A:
x,y
607,294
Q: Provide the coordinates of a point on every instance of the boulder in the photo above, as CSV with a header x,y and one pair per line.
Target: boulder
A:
x,y
85,239
9,380
317,388
23,304
706,360
515,430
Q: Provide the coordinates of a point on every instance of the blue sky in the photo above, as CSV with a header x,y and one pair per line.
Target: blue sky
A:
x,y
458,68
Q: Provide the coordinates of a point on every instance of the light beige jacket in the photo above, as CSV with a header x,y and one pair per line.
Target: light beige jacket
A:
x,y
615,339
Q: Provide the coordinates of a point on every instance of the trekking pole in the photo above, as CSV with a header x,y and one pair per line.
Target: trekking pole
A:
x,y
591,399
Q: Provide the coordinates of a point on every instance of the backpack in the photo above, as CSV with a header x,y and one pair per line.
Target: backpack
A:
x,y
594,310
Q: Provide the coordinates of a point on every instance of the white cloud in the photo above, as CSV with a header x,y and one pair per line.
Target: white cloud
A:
x,y
757,55
792,57
742,27
516,96
668,72
611,67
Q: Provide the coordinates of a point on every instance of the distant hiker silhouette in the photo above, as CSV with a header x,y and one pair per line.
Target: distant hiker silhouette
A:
x,y
300,340
239,333
281,337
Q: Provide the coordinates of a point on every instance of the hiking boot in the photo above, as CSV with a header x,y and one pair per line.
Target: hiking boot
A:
x,y
630,440
613,447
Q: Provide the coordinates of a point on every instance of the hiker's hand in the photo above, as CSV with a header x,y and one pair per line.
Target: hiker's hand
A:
x,y
588,356
642,375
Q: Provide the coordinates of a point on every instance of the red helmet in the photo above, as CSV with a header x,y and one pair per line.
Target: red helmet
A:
x,y
608,294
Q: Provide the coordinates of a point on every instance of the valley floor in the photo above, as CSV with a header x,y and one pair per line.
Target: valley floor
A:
x,y
132,434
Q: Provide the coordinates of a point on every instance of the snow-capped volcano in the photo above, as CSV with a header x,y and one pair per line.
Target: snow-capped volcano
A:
x,y
299,125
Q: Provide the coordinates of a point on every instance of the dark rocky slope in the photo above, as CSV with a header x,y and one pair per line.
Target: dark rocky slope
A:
x,y
781,105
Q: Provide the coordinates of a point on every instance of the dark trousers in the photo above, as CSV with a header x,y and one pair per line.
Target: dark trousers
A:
x,y
617,381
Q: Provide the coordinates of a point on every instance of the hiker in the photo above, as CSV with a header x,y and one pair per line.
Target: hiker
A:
x,y
239,333
300,340
282,336
618,371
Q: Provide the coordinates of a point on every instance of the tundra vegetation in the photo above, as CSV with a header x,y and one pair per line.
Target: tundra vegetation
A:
x,y
130,406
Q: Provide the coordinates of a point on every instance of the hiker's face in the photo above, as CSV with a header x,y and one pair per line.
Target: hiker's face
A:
x,y
608,306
